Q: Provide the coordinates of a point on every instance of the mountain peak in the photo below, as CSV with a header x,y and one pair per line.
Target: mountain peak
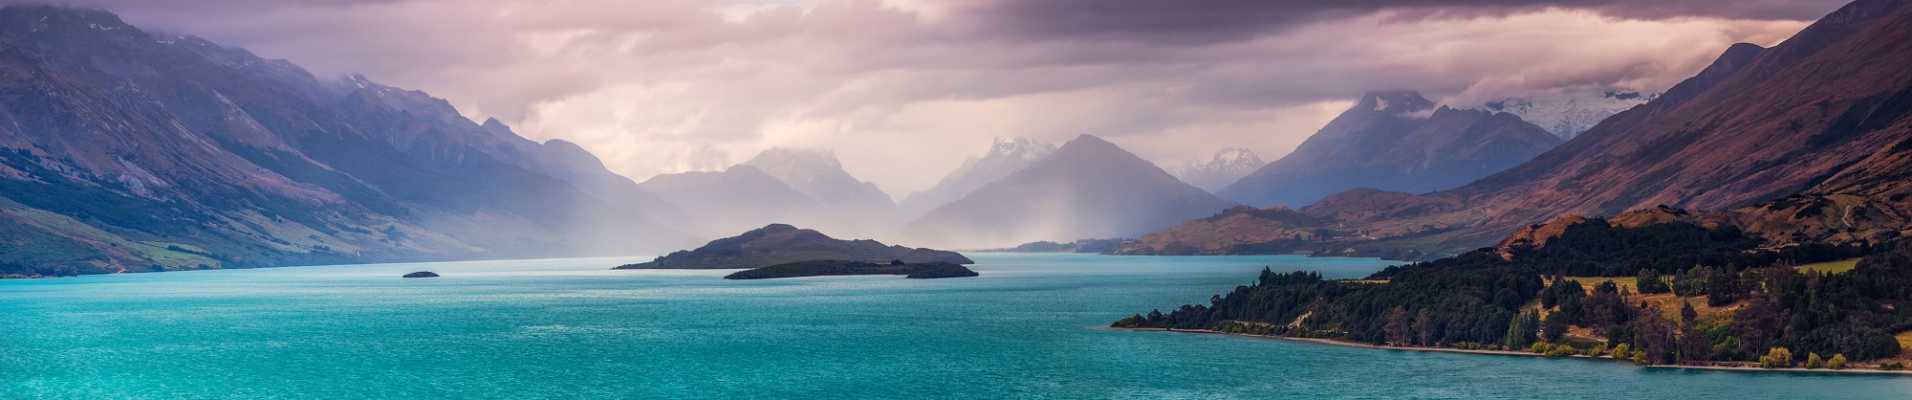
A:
x,y
493,125
1225,167
46,13
1086,142
819,175
783,157
1088,188
1395,102
1018,148
1005,156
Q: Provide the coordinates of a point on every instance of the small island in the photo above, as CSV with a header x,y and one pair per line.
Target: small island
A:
x,y
777,244
928,270
422,274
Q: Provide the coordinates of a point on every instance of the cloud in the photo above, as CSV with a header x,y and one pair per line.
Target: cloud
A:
x,y
905,89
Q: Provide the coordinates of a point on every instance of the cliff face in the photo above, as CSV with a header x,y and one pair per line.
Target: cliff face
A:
x,y
1397,141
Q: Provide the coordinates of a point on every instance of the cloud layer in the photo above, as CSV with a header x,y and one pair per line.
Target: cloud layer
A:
x,y
905,89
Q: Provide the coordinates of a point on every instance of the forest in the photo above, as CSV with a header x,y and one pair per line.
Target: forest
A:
x,y
1692,296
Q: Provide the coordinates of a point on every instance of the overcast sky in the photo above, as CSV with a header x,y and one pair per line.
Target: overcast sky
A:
x,y
903,90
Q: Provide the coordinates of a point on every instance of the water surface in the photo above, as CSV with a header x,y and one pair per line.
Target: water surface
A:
x,y
573,329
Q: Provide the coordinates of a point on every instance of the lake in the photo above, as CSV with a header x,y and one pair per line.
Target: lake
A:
x,y
572,328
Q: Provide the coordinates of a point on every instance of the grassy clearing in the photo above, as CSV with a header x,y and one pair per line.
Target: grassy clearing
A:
x,y
1831,267
1905,342
1632,284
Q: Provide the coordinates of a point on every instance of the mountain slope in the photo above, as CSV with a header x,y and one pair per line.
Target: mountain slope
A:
x,y
1397,141
1818,115
1224,168
1005,156
734,199
134,152
1089,188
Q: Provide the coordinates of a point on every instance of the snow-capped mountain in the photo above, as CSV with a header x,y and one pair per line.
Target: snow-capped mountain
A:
x,y
1567,115
1005,156
1225,167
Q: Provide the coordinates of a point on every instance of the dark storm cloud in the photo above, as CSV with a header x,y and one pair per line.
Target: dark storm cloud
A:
x,y
1219,20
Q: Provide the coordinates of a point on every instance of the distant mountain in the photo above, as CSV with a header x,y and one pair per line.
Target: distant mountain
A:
x,y
431,129
1224,168
1812,134
1569,114
776,244
125,151
1396,141
818,174
734,199
846,205
1005,156
1087,188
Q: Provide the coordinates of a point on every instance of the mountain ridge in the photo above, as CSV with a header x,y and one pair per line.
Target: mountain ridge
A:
x,y
1396,141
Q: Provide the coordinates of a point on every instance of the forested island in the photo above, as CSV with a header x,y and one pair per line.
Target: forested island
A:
x,y
1662,294
929,270
776,244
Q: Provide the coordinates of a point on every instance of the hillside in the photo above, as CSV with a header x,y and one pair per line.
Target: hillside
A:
x,y
1709,144
1239,230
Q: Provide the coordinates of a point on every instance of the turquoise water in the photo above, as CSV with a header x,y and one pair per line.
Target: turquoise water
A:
x,y
572,329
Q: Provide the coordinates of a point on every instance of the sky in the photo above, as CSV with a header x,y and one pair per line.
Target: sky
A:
x,y
904,90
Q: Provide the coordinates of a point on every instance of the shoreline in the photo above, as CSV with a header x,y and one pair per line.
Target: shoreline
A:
x,y
1338,343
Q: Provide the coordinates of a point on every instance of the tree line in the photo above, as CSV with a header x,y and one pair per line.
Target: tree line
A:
x,y
1481,300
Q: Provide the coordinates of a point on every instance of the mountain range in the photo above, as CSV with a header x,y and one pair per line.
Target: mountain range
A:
x,y
1224,168
1089,188
128,151
122,150
1396,141
1005,156
779,185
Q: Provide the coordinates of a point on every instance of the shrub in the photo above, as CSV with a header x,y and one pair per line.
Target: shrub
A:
x,y
1778,357
1639,357
1562,351
1892,366
1814,362
1622,351
1838,361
